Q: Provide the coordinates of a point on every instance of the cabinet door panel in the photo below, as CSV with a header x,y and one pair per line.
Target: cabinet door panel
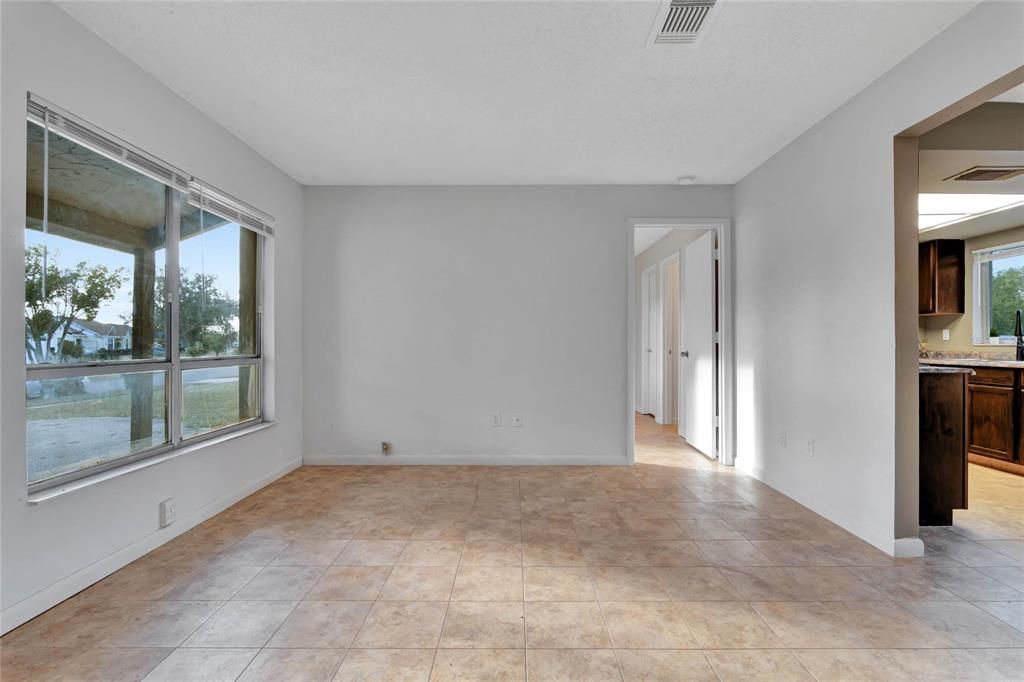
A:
x,y
927,261
990,410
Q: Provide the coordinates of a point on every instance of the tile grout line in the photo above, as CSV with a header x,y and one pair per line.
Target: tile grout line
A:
x,y
451,595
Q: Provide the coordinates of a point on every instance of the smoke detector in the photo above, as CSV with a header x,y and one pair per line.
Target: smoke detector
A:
x,y
987,174
681,22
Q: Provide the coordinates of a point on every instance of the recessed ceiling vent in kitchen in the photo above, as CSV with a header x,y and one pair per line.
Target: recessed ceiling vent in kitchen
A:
x,y
680,22
987,174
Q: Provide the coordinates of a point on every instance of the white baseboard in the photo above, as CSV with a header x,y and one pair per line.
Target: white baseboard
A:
x,y
906,548
30,607
880,539
479,460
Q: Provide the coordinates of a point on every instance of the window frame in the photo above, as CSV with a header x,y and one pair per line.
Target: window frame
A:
x,y
208,199
981,281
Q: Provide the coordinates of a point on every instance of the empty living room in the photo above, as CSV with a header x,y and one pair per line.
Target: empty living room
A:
x,y
511,340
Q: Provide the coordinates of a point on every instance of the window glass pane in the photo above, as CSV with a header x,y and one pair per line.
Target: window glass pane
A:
x,y
79,422
215,397
1006,282
102,252
218,286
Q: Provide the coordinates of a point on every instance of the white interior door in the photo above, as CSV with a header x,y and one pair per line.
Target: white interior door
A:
x,y
649,342
670,336
699,343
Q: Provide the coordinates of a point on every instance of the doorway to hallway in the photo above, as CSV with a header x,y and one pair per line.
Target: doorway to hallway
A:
x,y
677,333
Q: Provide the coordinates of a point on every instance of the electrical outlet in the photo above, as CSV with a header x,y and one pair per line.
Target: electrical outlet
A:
x,y
810,447
495,419
945,335
168,512
783,439
385,447
517,421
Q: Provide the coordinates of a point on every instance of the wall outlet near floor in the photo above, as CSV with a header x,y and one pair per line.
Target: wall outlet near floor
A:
x,y
168,512
945,335
517,421
810,447
385,447
495,419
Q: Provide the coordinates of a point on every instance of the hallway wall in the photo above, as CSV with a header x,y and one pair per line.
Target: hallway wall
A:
x,y
676,240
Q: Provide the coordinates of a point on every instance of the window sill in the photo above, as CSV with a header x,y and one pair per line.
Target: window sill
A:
x,y
60,490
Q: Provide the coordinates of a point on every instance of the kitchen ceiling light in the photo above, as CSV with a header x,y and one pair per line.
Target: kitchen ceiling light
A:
x,y
936,210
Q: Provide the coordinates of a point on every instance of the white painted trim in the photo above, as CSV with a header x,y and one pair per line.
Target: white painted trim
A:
x,y
35,604
655,354
631,397
616,459
727,394
907,548
666,413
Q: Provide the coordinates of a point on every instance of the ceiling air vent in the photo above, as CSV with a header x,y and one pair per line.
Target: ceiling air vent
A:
x,y
680,22
987,174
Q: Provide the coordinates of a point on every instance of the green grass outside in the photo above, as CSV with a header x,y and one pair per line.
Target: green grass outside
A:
x,y
206,406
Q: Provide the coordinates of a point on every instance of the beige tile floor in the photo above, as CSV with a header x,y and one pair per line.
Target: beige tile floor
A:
x,y
674,569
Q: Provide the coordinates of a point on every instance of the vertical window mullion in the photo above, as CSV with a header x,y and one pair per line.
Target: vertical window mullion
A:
x,y
261,246
172,290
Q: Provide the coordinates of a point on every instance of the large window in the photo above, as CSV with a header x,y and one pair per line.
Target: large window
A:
x,y
999,292
142,303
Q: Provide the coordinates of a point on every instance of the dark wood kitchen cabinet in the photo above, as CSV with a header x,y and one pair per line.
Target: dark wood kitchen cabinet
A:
x,y
943,447
991,399
940,277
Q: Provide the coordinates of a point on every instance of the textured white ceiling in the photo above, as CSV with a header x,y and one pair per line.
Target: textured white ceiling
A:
x,y
513,92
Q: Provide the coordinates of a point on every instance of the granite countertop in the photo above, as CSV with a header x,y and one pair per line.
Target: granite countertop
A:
x,y
935,369
973,362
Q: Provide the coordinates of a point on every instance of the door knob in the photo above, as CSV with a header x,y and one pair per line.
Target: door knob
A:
x,y
684,353
650,350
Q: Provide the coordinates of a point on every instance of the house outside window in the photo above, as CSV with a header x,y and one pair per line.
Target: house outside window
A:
x,y
143,290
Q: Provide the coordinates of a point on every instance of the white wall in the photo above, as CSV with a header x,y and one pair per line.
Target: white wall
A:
x,y
815,282
429,308
673,242
54,549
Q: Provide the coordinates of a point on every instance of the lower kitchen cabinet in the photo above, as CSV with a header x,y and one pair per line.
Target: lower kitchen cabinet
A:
x,y
992,406
990,420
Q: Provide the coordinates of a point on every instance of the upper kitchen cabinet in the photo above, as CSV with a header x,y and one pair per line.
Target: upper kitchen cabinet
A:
x,y
940,273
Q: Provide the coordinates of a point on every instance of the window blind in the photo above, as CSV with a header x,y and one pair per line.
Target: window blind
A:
x,y
199,193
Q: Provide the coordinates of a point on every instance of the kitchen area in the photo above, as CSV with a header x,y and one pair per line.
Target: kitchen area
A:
x,y
971,337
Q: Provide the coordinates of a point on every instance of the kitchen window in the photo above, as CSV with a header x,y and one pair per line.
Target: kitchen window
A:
x,y
143,303
998,292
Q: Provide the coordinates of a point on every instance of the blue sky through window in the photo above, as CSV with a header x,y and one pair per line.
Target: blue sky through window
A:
x,y
215,251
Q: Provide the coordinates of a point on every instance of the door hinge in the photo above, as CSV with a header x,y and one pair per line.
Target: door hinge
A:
x,y
717,337
718,253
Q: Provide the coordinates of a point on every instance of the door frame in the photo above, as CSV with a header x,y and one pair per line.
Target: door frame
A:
x,y
906,237
727,377
646,407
